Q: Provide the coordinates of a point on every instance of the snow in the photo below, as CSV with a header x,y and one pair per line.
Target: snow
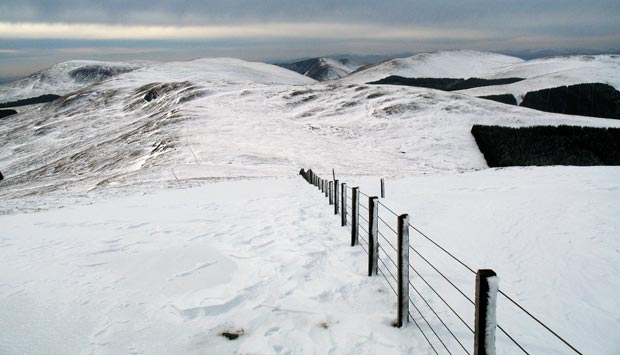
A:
x,y
553,72
337,68
491,316
538,73
445,64
134,226
57,79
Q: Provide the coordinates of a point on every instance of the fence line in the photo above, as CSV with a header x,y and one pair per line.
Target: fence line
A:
x,y
484,278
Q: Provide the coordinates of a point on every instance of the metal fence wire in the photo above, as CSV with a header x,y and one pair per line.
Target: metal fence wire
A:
x,y
386,238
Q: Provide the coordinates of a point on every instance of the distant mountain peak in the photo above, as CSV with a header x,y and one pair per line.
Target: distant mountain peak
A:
x,y
323,68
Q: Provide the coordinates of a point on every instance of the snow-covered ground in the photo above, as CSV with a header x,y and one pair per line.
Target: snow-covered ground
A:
x,y
151,226
167,272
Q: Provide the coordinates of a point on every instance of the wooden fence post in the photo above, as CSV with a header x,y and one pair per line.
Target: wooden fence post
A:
x,y
382,188
326,184
330,192
343,205
403,270
373,242
355,212
336,196
485,315
318,183
322,186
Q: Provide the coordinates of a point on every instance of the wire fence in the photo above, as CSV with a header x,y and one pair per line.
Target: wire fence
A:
x,y
436,312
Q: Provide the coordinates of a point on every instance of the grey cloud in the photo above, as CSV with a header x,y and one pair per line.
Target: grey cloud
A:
x,y
475,13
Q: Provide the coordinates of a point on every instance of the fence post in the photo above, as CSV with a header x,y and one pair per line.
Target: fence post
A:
x,y
318,183
355,212
336,196
330,192
382,188
485,316
373,242
326,184
343,205
403,270
322,186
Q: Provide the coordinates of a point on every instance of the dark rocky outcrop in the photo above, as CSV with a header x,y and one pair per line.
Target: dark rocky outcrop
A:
x,y
30,101
505,98
445,84
6,113
548,145
596,100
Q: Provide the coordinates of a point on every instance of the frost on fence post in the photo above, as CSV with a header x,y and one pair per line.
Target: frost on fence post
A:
x,y
343,205
403,270
330,192
355,212
336,195
373,241
485,318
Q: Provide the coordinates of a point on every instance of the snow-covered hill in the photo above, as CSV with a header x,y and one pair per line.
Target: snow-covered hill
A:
x,y
447,64
222,118
538,73
183,216
64,78
323,68
553,72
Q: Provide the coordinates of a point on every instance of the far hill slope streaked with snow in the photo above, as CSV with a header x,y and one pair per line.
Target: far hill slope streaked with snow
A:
x,y
64,78
323,69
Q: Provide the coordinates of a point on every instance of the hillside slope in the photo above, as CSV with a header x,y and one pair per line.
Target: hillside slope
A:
x,y
63,78
225,118
447,64
553,72
323,69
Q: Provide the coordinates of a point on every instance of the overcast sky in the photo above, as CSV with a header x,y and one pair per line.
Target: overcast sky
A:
x,y
35,34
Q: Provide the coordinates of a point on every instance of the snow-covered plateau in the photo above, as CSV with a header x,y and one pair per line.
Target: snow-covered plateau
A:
x,y
155,210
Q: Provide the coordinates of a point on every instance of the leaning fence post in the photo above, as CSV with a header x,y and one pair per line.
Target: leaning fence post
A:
x,y
336,196
485,316
382,188
355,212
403,270
373,242
343,205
